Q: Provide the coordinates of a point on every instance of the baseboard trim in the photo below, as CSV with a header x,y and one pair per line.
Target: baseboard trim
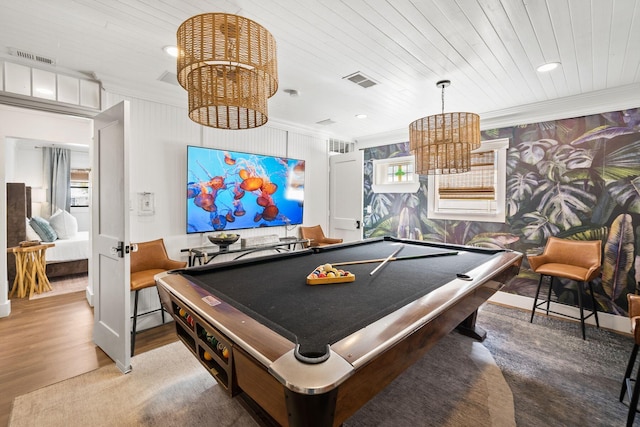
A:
x,y
608,321
89,295
5,309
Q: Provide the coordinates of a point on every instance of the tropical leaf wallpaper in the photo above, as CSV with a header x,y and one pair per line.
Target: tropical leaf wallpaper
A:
x,y
575,178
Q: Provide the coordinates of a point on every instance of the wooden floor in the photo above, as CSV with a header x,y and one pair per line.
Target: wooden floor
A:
x,y
48,340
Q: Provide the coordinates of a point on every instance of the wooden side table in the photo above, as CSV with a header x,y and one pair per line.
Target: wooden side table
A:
x,y
31,275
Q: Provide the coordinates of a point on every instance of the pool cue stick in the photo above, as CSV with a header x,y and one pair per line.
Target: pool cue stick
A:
x,y
386,260
400,258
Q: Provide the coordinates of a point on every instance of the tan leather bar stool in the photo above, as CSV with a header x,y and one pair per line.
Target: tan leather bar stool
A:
x,y
577,260
316,237
150,259
634,392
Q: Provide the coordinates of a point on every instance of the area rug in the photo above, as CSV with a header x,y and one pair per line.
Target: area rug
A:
x,y
456,384
557,378
166,387
64,285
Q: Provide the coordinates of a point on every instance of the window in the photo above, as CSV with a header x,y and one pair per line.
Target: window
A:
x,y
399,172
79,190
395,175
477,195
337,146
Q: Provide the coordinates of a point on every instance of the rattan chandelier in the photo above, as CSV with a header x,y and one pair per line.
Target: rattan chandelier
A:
x,y
442,143
227,64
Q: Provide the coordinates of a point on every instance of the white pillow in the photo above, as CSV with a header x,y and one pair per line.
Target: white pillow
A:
x,y
31,233
64,224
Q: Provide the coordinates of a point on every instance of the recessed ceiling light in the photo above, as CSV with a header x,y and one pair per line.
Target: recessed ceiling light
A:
x,y
361,116
171,51
547,67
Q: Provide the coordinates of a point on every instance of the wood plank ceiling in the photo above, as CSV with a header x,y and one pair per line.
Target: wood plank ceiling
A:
x,y
489,49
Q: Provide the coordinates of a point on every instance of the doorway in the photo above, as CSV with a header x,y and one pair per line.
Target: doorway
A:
x,y
18,124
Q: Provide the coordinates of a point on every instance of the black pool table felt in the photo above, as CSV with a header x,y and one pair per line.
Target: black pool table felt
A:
x,y
273,289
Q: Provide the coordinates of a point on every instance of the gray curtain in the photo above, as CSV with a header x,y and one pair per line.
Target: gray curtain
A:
x,y
57,177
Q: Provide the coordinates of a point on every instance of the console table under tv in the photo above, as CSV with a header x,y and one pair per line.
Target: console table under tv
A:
x,y
204,254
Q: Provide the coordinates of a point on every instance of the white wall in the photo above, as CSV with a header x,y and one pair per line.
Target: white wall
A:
x,y
26,162
9,150
160,135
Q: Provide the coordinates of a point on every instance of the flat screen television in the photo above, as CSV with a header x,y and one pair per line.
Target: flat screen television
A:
x,y
230,190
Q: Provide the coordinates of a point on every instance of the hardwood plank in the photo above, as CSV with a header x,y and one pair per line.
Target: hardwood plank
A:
x,y
48,340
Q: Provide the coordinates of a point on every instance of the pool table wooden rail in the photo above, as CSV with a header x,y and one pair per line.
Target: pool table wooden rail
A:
x,y
262,343
487,279
246,373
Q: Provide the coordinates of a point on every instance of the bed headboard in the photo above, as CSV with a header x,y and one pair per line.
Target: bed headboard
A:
x,y
18,208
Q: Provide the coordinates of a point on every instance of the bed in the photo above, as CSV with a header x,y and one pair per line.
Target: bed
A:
x,y
68,256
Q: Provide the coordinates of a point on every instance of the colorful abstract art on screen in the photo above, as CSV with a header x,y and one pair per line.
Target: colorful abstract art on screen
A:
x,y
229,190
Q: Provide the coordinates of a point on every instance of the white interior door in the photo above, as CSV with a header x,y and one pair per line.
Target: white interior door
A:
x,y
345,196
110,230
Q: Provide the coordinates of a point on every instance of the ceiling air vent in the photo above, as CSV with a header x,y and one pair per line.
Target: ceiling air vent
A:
x,y
360,79
31,56
325,122
169,77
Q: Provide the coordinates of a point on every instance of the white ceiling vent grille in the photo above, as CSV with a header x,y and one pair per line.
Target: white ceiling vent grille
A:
x,y
361,80
325,122
169,77
31,56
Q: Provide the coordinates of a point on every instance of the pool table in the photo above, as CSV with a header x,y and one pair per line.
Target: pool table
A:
x,y
312,355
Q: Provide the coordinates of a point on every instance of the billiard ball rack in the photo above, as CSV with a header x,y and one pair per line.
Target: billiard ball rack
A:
x,y
206,343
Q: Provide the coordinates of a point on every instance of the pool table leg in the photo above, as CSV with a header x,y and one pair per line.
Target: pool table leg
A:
x,y
311,410
469,328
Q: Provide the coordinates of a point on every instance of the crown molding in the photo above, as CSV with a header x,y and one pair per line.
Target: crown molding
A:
x,y
596,102
181,102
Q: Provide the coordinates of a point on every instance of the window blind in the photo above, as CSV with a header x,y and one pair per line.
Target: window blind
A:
x,y
477,184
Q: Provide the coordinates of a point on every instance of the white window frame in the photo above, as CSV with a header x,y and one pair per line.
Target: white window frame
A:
x,y
474,210
382,185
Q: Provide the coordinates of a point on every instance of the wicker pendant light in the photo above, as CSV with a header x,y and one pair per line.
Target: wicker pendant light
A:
x,y
227,64
227,98
442,143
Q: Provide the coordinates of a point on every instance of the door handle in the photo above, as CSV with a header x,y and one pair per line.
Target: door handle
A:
x,y
121,249
357,224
